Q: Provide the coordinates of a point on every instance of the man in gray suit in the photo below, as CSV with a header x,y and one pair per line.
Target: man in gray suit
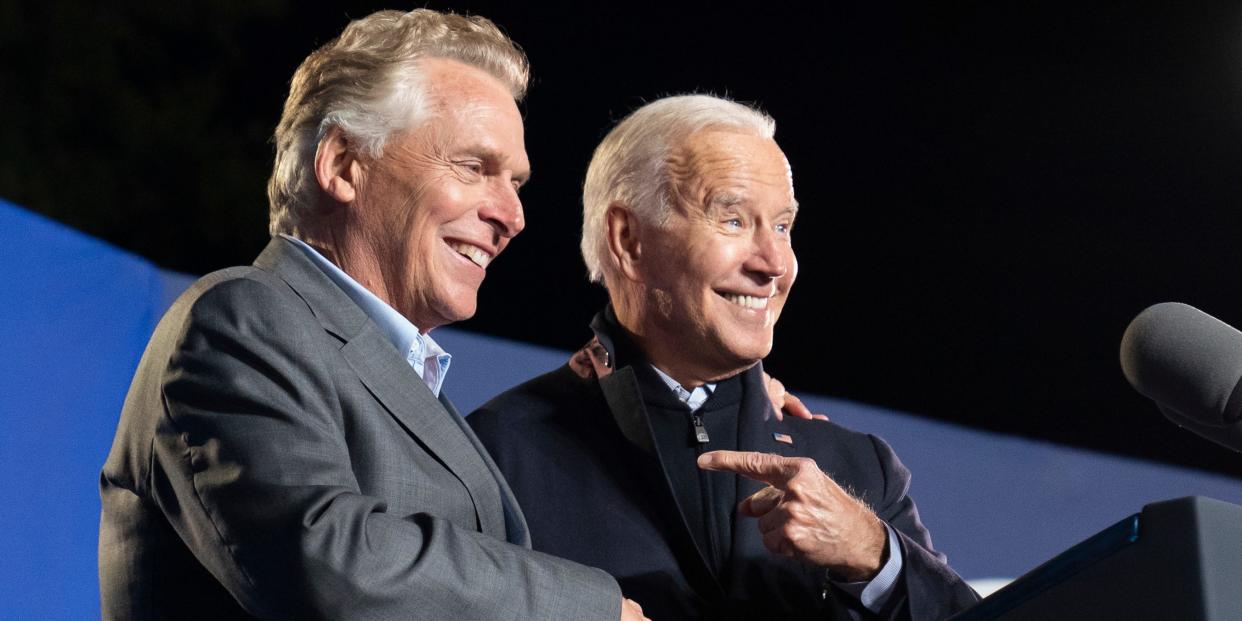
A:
x,y
284,450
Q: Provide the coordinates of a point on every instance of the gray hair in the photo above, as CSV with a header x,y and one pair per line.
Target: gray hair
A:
x,y
631,165
368,83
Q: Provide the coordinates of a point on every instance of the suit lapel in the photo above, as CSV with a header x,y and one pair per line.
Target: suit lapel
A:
x,y
625,402
407,398
757,425
515,529
335,311
391,380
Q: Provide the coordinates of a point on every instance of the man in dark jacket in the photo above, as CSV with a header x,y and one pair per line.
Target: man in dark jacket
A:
x,y
655,454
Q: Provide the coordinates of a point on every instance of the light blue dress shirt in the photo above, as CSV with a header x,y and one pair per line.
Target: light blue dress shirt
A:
x,y
428,359
693,399
874,593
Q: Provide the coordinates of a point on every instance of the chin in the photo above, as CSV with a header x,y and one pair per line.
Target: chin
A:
x,y
462,314
457,310
742,356
753,348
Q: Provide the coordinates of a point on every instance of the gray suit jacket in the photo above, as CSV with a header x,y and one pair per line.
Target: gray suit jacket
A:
x,y
277,458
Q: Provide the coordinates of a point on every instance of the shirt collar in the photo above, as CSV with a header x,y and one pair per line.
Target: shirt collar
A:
x,y
693,399
426,356
619,352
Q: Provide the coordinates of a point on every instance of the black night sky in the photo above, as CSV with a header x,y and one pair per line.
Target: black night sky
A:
x,y
990,190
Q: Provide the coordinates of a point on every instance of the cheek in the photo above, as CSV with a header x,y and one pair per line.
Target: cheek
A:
x,y
698,271
417,239
451,196
724,261
440,200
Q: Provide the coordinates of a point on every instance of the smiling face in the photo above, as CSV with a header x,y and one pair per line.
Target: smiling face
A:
x,y
715,277
442,201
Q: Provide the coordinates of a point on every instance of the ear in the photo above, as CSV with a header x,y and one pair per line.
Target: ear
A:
x,y
624,244
335,166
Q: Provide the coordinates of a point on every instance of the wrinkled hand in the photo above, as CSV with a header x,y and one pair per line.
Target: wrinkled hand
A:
x,y
804,514
786,403
631,611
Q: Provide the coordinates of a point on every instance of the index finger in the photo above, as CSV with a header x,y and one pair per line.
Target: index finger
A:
x,y
774,470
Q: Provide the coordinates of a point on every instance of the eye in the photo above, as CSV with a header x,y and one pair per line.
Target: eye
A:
x,y
474,167
784,228
733,223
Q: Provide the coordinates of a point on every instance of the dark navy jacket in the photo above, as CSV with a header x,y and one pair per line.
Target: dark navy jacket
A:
x,y
580,458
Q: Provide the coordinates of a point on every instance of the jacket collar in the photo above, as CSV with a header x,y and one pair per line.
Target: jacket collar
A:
x,y
338,314
758,430
388,376
621,390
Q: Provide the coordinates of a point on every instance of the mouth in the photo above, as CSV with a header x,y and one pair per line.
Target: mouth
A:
x,y
477,255
749,302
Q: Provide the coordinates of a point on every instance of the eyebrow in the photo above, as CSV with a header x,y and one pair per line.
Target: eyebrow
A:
x,y
724,200
492,154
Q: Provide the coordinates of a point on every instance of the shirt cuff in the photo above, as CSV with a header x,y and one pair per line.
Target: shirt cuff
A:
x,y
875,593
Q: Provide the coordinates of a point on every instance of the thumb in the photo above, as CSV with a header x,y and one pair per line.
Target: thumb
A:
x,y
761,502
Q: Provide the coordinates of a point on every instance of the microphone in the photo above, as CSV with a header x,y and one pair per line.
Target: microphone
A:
x,y
1190,364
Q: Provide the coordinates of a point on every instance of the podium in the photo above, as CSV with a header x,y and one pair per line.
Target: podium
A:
x,y
1177,560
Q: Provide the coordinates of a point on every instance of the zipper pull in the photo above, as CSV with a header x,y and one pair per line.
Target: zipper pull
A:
x,y
700,432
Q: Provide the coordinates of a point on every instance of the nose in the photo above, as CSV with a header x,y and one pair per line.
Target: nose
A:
x,y
771,257
503,210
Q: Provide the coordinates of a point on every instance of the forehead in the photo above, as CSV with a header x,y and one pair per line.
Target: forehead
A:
x,y
721,160
448,79
472,110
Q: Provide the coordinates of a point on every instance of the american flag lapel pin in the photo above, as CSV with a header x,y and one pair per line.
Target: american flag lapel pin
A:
x,y
782,437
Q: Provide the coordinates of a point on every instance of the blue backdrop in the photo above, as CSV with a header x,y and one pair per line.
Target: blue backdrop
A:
x,y
75,314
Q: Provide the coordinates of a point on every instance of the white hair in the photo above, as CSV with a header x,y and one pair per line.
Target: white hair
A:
x,y
630,166
368,83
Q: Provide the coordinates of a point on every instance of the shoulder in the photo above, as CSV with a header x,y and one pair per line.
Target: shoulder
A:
x,y
244,299
237,289
236,319
222,326
533,402
821,436
860,459
543,417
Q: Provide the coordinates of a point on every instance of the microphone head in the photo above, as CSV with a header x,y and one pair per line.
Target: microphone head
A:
x,y
1187,361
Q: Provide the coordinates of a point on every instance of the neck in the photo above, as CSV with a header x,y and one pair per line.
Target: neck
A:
x,y
338,242
666,350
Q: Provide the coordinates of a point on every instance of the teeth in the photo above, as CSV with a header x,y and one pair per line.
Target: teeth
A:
x,y
474,253
747,301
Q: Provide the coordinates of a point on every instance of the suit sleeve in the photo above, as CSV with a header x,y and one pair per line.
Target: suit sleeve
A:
x,y
251,467
929,589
